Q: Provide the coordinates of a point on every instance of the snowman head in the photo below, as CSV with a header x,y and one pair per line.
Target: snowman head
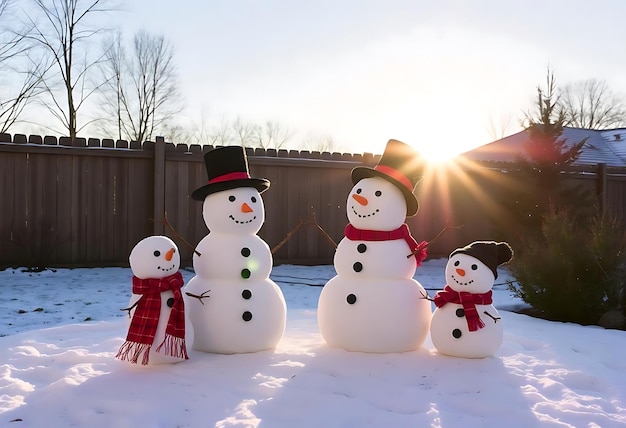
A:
x,y
376,204
474,268
154,257
234,211
399,164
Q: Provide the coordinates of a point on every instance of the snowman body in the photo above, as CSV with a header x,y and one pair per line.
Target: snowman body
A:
x,y
160,357
373,304
449,330
245,311
158,257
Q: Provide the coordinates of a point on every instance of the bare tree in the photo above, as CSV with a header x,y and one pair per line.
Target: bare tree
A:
x,y
244,132
63,30
19,71
201,133
11,43
591,104
239,132
270,136
142,89
500,129
320,143
111,89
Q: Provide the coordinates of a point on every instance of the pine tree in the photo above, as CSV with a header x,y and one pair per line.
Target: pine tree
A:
x,y
538,173
569,258
546,153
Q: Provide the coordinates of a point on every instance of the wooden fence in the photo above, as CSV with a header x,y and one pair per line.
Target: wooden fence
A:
x,y
87,202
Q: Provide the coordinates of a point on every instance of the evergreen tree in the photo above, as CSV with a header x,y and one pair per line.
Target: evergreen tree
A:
x,y
538,174
569,258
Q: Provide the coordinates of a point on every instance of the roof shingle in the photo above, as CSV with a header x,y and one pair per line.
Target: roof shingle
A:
x,y
602,146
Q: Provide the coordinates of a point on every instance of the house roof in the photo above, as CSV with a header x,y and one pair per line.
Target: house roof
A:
x,y
602,146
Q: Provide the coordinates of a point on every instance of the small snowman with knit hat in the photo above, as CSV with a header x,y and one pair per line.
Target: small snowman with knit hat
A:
x,y
465,323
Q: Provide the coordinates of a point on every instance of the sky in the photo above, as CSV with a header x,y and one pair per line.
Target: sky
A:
x,y
60,330
437,75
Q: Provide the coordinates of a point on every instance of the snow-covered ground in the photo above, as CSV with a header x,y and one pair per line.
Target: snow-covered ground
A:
x,y
61,330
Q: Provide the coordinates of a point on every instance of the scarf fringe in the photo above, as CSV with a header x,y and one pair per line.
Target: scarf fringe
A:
x,y
174,346
131,351
475,324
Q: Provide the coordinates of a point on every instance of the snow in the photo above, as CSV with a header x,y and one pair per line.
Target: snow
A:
x,y
62,329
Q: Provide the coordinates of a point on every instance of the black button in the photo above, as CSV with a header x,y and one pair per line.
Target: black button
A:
x,y
245,251
170,302
361,248
456,333
460,313
358,267
246,294
351,299
245,273
247,316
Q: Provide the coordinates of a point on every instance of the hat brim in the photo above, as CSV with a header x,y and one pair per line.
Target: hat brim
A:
x,y
261,184
361,172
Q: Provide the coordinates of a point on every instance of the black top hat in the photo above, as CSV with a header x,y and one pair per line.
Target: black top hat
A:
x,y
227,168
491,253
400,164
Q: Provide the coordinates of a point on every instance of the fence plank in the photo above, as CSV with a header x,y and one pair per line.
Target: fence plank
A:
x,y
64,202
11,190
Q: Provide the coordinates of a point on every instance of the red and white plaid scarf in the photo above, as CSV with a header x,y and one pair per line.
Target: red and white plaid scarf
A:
x,y
145,320
418,250
469,302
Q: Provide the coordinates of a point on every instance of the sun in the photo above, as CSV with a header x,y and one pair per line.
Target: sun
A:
x,y
437,154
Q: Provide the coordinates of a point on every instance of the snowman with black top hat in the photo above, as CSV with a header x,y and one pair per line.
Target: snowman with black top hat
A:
x,y
374,304
237,308
465,323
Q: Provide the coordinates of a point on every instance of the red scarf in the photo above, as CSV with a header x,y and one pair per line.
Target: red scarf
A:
x,y
145,320
469,302
418,250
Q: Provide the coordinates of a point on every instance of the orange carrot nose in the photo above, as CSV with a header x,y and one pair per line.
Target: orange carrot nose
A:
x,y
245,208
360,199
461,272
170,254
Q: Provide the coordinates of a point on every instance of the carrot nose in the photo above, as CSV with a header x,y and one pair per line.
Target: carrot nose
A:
x,y
245,208
360,199
170,254
461,272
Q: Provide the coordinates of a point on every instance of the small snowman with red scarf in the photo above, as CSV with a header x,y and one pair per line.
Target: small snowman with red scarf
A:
x,y
374,304
465,323
158,330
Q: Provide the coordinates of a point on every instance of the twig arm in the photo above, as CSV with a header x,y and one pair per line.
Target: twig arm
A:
x,y
204,295
166,222
420,247
130,308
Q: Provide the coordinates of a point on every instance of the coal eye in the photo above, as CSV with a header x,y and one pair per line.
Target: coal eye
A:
x,y
157,253
457,263
378,193
253,199
358,191
231,198
474,267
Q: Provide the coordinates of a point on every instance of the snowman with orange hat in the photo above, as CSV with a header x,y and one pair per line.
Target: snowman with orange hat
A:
x,y
237,308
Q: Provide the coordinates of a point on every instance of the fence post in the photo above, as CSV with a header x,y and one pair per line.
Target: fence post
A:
x,y
601,186
159,185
